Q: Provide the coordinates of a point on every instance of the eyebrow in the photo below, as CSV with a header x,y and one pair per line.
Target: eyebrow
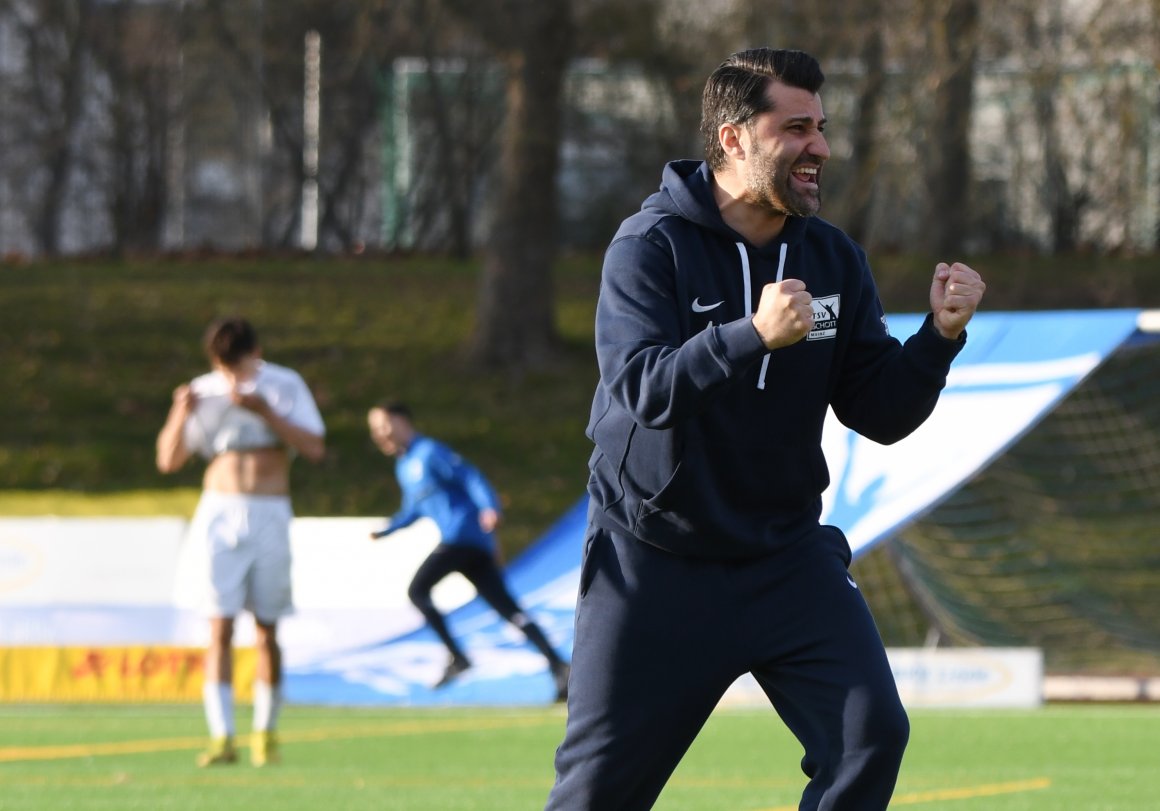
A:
x,y
805,119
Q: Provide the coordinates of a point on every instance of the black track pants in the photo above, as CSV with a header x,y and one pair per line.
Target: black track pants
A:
x,y
659,638
480,568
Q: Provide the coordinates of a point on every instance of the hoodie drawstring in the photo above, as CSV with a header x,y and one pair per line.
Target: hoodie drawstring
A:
x,y
748,286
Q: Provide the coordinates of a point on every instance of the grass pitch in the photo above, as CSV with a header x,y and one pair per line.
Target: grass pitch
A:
x,y
84,758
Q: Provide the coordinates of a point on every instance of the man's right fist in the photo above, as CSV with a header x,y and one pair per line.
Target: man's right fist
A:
x,y
784,314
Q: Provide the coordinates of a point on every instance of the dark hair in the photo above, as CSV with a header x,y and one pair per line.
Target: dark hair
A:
x,y
736,91
396,408
229,339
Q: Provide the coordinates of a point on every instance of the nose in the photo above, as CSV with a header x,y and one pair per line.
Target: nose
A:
x,y
820,148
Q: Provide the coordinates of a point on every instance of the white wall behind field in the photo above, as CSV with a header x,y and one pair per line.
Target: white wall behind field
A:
x,y
115,581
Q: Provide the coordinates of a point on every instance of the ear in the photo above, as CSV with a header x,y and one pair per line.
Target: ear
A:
x,y
730,137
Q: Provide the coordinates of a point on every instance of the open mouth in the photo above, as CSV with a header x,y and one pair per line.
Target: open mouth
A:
x,y
807,175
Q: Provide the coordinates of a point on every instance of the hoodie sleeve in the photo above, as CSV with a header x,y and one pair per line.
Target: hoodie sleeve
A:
x,y
646,364
887,389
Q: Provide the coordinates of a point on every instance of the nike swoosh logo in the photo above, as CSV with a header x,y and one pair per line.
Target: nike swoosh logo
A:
x,y
698,307
850,580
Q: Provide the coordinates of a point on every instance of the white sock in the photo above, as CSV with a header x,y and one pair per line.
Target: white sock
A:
x,y
267,703
218,698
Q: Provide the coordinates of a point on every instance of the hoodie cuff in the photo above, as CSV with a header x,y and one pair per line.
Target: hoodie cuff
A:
x,y
738,344
930,352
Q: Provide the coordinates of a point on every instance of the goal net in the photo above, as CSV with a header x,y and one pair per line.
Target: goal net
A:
x,y
1055,544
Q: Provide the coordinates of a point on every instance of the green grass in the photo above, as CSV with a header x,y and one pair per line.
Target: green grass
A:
x,y
84,758
175,501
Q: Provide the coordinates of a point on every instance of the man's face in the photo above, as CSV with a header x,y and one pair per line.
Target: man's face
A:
x,y
243,370
785,151
388,432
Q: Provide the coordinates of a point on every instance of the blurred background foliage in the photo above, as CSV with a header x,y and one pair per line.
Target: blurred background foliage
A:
x,y
146,125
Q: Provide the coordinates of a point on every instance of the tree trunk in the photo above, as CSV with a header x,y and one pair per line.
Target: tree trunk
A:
x,y
515,325
59,157
865,151
949,154
1063,207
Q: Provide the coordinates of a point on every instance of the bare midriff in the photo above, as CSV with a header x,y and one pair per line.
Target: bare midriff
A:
x,y
257,472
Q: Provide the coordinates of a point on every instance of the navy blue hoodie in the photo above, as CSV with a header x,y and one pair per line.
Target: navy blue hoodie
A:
x,y
707,444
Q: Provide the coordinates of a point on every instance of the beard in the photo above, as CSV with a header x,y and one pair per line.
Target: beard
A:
x,y
770,187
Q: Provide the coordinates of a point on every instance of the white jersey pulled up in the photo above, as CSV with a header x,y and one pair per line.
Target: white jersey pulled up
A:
x,y
218,425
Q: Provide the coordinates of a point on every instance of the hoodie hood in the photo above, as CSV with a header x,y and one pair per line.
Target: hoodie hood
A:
x,y
687,192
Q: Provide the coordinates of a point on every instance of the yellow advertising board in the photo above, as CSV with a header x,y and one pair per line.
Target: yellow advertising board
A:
x,y
131,673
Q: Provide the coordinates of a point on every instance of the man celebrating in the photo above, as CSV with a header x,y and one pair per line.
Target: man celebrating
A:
x,y
730,319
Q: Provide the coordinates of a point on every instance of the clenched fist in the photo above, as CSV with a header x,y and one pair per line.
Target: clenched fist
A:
x,y
955,293
784,314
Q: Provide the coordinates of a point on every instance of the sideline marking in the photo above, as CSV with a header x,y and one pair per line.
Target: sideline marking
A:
x,y
10,754
964,793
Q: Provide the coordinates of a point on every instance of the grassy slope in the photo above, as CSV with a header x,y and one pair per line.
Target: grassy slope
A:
x,y
91,351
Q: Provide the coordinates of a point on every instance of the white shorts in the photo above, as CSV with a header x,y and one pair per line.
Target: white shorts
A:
x,y
247,544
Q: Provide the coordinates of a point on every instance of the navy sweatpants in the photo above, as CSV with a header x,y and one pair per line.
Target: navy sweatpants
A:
x,y
659,638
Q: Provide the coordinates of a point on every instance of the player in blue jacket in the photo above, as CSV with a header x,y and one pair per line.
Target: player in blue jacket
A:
x,y
730,318
439,484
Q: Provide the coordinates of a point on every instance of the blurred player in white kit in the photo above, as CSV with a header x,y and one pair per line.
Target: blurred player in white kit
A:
x,y
248,418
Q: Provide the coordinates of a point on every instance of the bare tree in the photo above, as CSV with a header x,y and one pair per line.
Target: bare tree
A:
x,y
261,43
135,47
453,107
866,144
1063,206
533,39
954,45
1075,111
1001,122
57,39
1153,30
362,46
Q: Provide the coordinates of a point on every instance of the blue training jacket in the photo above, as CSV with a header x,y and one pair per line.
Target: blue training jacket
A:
x,y
439,484
707,444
